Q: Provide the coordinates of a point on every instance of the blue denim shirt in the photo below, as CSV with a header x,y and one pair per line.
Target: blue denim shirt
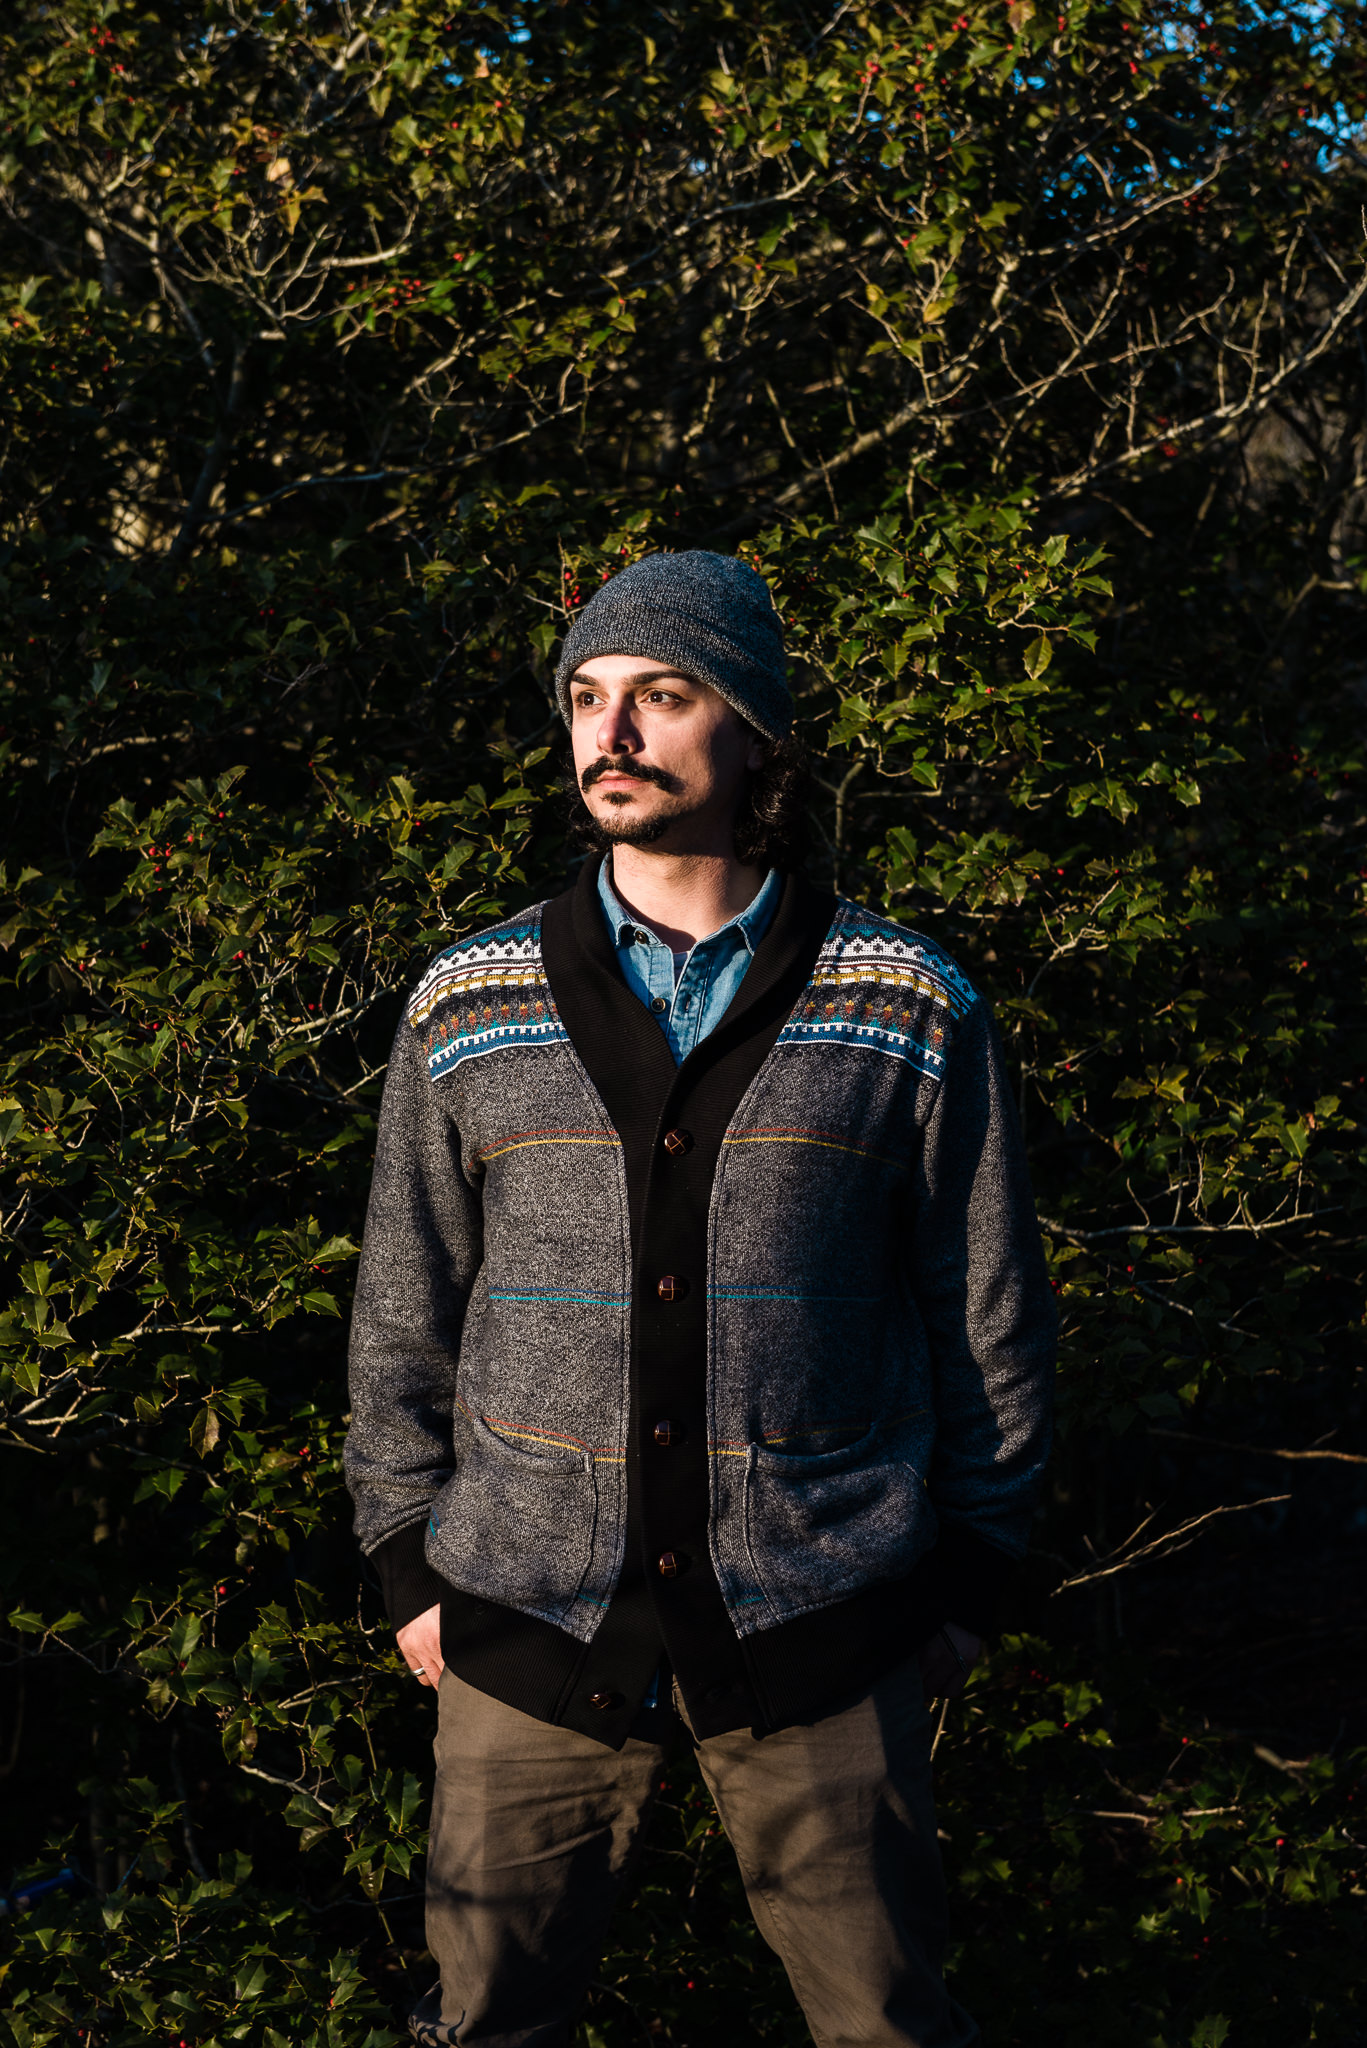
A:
x,y
689,992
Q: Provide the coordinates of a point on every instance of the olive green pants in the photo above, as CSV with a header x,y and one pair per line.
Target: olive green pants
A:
x,y
832,1822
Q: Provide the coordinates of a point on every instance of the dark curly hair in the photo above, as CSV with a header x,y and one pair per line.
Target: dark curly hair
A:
x,y
771,824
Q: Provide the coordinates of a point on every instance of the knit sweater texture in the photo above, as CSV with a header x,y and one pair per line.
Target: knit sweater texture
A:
x,y
867,1303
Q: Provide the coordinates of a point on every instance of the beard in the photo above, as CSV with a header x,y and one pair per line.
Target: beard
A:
x,y
620,827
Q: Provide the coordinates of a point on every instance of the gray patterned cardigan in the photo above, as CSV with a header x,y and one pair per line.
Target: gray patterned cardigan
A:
x,y
749,1357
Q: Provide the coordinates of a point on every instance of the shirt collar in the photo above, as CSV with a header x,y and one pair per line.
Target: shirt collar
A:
x,y
755,920
752,922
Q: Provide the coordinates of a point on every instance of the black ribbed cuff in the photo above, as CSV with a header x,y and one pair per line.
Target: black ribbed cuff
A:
x,y
972,1576
407,1580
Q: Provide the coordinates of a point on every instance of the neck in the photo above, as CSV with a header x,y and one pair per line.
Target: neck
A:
x,y
683,896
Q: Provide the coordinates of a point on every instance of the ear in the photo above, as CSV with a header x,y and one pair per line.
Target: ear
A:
x,y
757,754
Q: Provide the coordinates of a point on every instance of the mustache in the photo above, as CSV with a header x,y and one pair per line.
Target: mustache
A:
x,y
639,771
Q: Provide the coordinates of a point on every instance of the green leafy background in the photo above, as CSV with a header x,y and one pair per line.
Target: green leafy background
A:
x,y
347,348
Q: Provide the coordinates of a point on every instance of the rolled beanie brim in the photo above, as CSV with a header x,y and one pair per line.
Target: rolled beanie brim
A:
x,y
709,616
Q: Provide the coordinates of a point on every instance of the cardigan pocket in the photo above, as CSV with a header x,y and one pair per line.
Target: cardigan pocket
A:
x,y
821,1526
516,1522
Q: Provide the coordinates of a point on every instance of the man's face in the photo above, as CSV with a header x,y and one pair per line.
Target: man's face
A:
x,y
660,760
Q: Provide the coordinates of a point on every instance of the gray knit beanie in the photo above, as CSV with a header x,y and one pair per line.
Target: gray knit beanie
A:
x,y
710,616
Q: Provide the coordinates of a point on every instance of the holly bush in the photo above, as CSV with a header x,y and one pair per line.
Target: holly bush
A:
x,y
348,347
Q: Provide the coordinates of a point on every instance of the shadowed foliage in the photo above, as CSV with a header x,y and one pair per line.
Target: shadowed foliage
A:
x,y
347,348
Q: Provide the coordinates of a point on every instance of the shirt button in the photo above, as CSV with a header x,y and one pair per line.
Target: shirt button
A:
x,y
667,1434
658,1003
676,1143
673,1287
670,1563
605,1701
641,938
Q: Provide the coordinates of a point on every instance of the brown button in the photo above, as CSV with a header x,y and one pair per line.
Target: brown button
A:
x,y
670,1563
677,1143
672,1288
668,1433
658,1005
605,1701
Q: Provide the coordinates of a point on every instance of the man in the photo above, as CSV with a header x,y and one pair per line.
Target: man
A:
x,y
701,1359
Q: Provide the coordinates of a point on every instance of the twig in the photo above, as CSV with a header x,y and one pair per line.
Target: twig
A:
x,y
1186,1229
1151,1820
187,1833
215,457
455,462
1219,1443
1293,1766
1165,1545
294,1785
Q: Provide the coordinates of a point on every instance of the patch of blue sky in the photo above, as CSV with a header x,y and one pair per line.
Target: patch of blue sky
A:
x,y
1306,24
1335,130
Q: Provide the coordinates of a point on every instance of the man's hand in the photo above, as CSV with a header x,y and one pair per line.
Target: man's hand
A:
x,y
420,1646
946,1661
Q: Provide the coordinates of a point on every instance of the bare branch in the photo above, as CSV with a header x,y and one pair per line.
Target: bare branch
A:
x,y
215,458
1124,1559
1216,1443
1147,1229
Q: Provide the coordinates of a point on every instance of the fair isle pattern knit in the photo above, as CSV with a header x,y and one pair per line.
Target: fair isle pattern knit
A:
x,y
486,992
875,984
879,985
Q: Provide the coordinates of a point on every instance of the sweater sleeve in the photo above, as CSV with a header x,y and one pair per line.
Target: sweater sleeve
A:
x,y
421,1251
979,1280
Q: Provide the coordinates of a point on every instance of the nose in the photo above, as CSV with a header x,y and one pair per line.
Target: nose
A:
x,y
617,732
